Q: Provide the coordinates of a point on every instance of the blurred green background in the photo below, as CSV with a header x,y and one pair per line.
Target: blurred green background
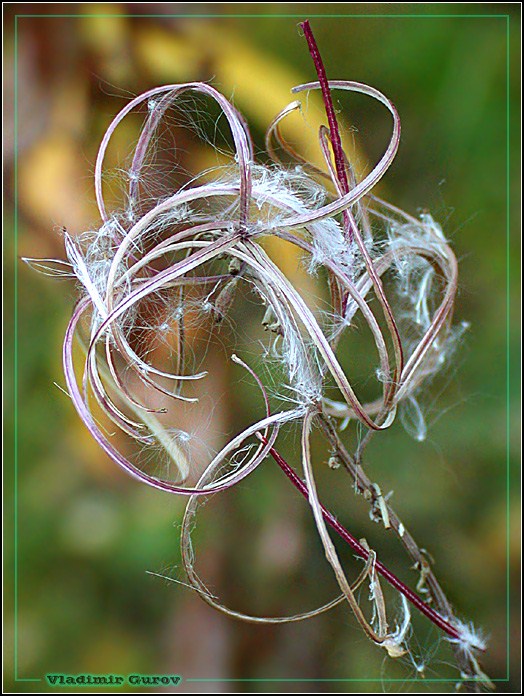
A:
x,y
86,534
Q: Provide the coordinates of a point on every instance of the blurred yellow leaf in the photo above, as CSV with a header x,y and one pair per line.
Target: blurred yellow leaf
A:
x,y
108,38
168,56
52,183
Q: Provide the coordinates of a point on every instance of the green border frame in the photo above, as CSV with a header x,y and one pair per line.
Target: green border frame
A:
x,y
507,17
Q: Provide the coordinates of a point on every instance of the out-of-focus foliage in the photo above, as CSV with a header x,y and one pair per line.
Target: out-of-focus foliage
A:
x,y
87,534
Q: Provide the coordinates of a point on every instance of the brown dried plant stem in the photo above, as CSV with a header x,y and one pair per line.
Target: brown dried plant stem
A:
x,y
466,662
363,484
363,551
172,262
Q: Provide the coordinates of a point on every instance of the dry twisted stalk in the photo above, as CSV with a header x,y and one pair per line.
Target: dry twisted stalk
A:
x,y
190,252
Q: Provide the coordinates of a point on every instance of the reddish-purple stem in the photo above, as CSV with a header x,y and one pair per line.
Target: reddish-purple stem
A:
x,y
334,133
361,551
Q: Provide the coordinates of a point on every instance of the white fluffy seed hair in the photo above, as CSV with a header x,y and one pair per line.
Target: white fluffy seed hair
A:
x,y
470,639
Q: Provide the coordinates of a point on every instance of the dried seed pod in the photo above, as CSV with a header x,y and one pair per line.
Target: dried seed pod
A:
x,y
224,300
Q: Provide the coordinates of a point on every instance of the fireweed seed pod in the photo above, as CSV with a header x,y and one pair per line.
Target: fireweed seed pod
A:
x,y
164,273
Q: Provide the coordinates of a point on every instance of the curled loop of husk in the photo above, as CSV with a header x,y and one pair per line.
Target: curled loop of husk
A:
x,y
162,250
